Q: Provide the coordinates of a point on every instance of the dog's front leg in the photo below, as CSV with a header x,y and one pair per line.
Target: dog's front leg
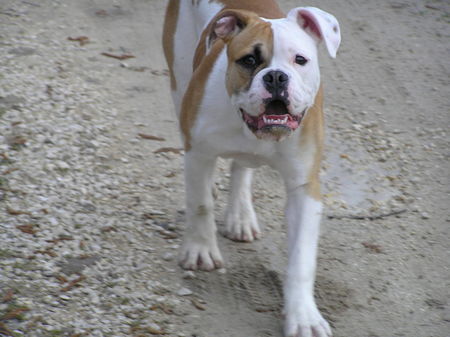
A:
x,y
199,249
303,214
240,218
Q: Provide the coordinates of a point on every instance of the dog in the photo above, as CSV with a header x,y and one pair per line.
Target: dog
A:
x,y
246,85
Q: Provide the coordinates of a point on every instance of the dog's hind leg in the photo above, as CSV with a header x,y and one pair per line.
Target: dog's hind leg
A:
x,y
240,217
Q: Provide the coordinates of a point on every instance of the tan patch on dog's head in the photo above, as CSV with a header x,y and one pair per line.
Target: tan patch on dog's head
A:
x,y
248,38
254,42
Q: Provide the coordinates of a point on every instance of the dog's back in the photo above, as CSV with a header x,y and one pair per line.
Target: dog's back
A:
x,y
184,22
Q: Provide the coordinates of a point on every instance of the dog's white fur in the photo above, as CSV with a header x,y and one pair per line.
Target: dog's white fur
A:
x,y
220,131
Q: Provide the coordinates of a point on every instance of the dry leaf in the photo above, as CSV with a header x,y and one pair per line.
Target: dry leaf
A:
x,y
142,331
81,39
150,137
4,330
264,309
372,247
168,235
168,149
101,12
198,304
163,307
154,331
62,237
17,140
15,313
107,229
28,229
8,296
16,212
8,171
73,283
61,278
48,251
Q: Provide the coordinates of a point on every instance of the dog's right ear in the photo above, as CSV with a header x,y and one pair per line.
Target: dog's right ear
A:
x,y
228,24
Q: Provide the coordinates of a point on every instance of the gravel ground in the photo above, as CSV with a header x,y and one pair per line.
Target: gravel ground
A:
x,y
91,185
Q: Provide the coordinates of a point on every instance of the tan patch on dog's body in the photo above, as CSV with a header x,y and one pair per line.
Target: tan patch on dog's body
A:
x,y
195,91
312,134
170,26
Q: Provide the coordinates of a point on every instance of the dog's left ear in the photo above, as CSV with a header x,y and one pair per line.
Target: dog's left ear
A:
x,y
321,25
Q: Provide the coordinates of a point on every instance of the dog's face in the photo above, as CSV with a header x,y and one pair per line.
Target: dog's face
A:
x,y
273,73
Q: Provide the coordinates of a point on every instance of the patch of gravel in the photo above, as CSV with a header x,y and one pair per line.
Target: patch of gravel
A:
x,y
88,238
75,244
66,209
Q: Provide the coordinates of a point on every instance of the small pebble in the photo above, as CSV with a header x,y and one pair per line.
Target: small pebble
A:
x,y
189,275
424,215
168,256
184,292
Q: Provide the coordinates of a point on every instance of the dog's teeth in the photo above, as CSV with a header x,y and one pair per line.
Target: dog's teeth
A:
x,y
275,120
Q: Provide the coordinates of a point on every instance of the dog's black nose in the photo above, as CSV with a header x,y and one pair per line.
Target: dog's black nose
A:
x,y
275,81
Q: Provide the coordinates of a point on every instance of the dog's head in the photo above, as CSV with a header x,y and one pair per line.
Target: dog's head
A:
x,y
273,72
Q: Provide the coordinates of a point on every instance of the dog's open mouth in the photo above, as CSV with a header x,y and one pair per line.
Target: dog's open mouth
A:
x,y
276,118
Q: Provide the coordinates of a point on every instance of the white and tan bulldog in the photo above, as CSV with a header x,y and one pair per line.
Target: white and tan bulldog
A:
x,y
246,85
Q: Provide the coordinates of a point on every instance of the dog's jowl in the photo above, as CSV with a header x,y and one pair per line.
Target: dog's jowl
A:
x,y
246,85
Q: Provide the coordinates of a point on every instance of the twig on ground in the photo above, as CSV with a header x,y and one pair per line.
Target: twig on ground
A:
x,y
119,57
4,330
168,149
73,283
150,137
366,217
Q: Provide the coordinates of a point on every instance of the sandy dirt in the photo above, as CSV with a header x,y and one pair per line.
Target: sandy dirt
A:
x,y
387,111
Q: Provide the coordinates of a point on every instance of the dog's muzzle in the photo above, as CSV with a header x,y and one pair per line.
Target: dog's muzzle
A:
x,y
276,119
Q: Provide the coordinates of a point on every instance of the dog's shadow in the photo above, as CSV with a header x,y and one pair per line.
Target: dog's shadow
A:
x,y
248,298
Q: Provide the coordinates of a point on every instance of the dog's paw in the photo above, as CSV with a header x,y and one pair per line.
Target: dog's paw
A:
x,y
241,225
200,256
306,321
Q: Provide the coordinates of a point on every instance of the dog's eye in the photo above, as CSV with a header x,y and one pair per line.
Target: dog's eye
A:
x,y
248,61
300,60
